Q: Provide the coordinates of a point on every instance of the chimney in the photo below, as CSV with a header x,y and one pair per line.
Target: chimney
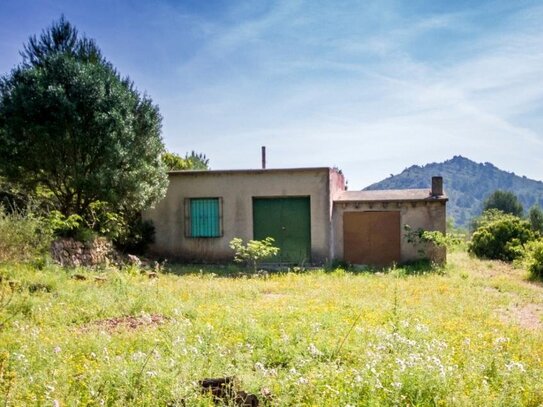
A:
x,y
263,157
437,186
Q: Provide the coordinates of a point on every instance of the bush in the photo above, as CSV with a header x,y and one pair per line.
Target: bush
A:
x,y
501,237
253,251
24,237
534,258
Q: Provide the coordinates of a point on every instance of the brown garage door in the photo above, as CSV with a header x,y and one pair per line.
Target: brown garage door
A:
x,y
371,237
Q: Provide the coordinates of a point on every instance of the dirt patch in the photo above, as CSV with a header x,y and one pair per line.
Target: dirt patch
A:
x,y
126,322
528,316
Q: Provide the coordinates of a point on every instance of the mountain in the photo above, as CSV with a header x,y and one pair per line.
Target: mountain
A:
x,y
467,184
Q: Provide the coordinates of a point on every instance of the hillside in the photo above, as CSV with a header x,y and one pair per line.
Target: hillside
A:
x,y
467,184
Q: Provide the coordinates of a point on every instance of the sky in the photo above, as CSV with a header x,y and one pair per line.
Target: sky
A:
x,y
371,87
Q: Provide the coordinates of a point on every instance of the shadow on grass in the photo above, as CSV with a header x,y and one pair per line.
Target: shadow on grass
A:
x,y
419,267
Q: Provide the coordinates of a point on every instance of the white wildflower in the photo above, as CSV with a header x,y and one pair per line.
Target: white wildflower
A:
x,y
515,366
397,385
421,328
136,356
314,351
303,380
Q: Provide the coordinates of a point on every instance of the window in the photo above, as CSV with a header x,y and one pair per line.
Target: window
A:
x,y
203,217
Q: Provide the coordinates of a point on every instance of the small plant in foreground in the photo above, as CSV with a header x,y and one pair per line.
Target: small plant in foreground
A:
x,y
253,251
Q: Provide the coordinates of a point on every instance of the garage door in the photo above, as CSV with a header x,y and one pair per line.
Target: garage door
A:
x,y
371,237
287,220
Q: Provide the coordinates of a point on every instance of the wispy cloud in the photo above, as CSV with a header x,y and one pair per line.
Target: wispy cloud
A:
x,y
369,86
350,96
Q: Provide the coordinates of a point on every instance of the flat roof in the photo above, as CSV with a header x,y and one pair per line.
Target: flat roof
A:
x,y
389,195
250,171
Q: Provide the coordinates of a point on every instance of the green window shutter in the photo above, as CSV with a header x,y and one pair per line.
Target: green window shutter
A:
x,y
205,217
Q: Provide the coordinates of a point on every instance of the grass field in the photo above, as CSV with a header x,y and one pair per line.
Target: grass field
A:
x,y
468,334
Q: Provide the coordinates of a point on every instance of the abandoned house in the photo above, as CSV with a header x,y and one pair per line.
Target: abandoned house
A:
x,y
308,211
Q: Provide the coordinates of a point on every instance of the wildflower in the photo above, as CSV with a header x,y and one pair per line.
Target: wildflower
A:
x,y
515,366
151,373
57,349
303,380
138,356
314,351
421,328
397,385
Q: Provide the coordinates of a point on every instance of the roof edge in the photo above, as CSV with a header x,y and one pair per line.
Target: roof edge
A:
x,y
250,171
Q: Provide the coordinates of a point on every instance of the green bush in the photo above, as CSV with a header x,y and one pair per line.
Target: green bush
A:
x,y
501,237
534,258
253,251
24,237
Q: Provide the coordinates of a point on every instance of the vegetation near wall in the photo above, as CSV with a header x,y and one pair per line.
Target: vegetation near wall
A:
x,y
23,237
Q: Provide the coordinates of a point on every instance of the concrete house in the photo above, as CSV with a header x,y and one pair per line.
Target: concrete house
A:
x,y
308,212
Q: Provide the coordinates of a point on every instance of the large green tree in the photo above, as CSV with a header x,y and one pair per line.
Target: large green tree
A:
x,y
505,201
76,131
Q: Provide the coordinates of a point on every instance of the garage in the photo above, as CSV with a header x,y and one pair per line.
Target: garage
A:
x,y
287,220
372,237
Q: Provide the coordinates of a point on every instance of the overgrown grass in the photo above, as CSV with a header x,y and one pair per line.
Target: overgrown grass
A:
x,y
318,338
23,237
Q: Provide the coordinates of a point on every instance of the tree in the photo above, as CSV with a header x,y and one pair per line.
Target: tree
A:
x,y
74,131
535,215
504,201
194,161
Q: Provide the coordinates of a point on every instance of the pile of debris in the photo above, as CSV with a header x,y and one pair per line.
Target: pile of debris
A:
x,y
99,251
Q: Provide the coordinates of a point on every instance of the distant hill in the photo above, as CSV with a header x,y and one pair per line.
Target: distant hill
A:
x,y
467,184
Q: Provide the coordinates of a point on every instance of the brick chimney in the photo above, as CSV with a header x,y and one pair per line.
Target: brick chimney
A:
x,y
437,186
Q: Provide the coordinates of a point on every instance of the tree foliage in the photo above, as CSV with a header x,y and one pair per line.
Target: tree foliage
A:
x,y
504,201
501,237
533,258
192,161
535,215
74,132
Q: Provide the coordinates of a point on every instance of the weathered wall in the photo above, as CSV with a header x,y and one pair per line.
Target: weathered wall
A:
x,y
237,189
428,215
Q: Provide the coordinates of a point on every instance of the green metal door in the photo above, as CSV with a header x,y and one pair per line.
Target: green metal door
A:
x,y
288,221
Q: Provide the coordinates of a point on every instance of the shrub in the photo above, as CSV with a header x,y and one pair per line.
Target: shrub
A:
x,y
534,258
501,237
253,251
23,236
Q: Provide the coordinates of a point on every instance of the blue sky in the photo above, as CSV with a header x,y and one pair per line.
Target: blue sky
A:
x,y
369,86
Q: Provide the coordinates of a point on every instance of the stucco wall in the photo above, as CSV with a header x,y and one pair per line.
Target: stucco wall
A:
x,y
237,188
428,215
